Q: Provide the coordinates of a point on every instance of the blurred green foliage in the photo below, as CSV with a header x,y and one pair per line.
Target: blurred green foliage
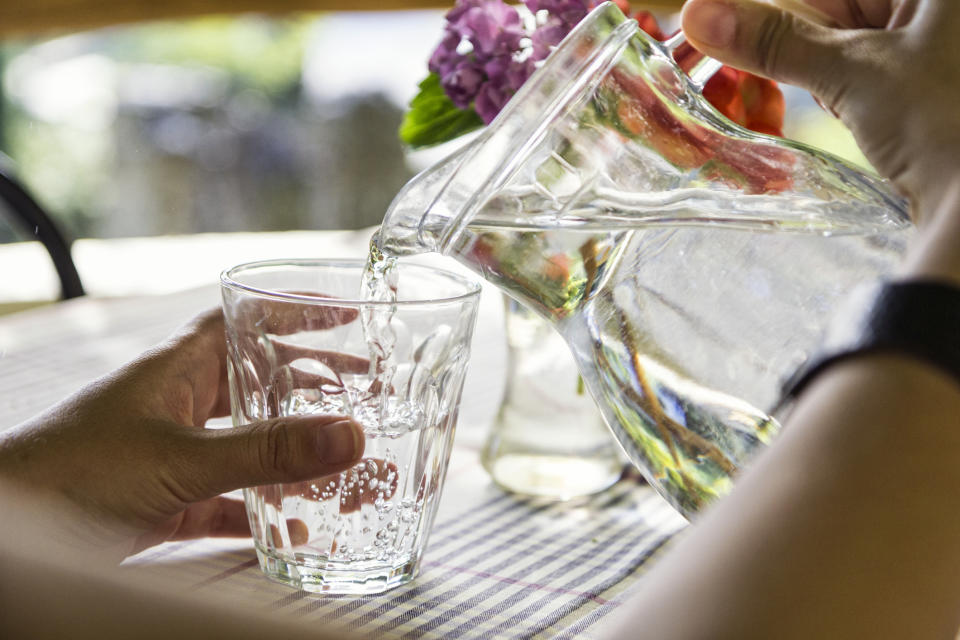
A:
x,y
50,161
816,127
68,169
257,52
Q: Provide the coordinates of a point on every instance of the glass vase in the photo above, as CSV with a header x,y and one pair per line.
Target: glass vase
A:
x,y
548,439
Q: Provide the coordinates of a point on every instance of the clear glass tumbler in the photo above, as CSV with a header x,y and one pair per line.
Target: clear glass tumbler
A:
x,y
297,345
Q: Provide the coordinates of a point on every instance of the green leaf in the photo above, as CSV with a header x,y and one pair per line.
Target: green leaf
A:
x,y
433,118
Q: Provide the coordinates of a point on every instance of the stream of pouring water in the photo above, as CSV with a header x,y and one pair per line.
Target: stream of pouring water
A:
x,y
379,284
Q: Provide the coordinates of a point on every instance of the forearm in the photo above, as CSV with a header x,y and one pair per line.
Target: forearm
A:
x,y
847,526
40,599
844,528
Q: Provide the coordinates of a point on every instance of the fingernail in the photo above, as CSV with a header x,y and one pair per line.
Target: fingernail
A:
x,y
711,23
340,441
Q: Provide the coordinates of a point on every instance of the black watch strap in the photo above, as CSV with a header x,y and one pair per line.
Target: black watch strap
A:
x,y
916,318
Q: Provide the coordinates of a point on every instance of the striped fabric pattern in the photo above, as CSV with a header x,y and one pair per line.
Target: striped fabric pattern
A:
x,y
502,567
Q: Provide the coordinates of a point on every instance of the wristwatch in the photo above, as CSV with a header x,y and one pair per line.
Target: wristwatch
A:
x,y
918,318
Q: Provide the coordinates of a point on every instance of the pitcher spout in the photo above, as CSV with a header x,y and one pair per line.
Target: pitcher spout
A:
x,y
420,219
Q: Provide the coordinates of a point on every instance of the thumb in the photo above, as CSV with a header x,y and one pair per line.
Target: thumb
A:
x,y
769,41
289,449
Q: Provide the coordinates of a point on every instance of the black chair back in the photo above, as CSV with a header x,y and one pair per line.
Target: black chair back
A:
x,y
33,220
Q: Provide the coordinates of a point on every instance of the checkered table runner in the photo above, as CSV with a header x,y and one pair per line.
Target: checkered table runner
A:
x,y
501,567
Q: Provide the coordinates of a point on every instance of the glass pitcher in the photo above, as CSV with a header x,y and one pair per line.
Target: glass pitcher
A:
x,y
690,264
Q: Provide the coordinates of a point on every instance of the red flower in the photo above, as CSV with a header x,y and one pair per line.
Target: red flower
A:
x,y
763,103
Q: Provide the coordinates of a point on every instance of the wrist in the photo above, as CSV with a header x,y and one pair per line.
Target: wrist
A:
x,y
935,252
933,189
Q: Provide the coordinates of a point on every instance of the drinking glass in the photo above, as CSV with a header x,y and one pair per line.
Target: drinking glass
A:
x,y
299,341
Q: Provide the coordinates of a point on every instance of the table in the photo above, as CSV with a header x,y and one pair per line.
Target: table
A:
x,y
497,565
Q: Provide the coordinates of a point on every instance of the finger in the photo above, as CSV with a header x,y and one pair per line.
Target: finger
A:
x,y
825,12
218,517
253,320
184,378
286,353
289,449
297,532
201,351
283,317
853,14
335,363
771,42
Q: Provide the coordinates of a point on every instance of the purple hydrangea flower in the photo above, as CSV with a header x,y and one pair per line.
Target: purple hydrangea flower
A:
x,y
570,12
445,56
486,54
493,28
547,36
509,73
490,64
490,100
562,16
463,82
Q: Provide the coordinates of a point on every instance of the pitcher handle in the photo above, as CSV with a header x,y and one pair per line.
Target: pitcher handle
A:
x,y
701,72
